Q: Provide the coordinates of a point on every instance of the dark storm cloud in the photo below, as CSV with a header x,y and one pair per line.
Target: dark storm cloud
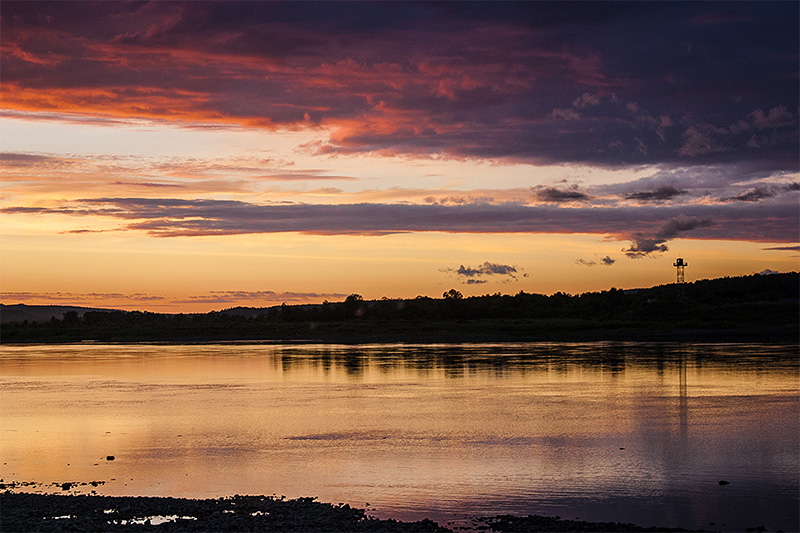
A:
x,y
679,83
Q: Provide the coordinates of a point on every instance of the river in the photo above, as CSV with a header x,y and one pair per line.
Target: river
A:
x,y
632,432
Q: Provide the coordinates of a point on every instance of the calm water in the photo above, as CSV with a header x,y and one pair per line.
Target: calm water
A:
x,y
630,432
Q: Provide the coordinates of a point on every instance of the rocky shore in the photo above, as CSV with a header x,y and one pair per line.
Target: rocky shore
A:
x,y
42,512
51,512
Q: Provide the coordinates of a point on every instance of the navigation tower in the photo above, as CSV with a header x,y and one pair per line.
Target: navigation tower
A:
x,y
680,265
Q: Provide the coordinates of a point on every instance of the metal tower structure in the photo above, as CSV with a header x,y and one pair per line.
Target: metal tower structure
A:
x,y
680,265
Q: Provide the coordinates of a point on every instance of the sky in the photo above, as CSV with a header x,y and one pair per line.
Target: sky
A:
x,y
197,156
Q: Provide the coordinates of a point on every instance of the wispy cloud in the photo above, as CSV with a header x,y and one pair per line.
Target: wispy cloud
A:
x,y
305,176
252,298
77,297
605,261
59,174
149,184
259,297
786,248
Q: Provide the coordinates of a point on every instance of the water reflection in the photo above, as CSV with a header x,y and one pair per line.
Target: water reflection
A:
x,y
683,398
604,431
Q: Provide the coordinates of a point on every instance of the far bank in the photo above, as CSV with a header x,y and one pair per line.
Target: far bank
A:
x,y
744,309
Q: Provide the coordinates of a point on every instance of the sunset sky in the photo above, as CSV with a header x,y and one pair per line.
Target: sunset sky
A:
x,y
196,156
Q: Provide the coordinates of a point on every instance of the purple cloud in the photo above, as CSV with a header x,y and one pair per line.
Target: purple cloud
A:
x,y
11,159
661,194
475,275
656,224
762,192
554,195
487,269
557,85
754,195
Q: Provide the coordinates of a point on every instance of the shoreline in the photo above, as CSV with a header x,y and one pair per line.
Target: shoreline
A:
x,y
445,333
25,511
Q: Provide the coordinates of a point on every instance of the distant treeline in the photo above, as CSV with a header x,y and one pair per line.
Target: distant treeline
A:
x,y
758,307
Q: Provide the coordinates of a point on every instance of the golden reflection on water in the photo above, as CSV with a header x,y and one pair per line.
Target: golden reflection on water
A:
x,y
501,428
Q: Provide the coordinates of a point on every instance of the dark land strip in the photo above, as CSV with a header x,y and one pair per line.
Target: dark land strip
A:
x,y
757,308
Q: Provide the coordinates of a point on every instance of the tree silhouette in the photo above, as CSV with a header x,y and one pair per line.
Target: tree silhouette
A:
x,y
765,304
452,294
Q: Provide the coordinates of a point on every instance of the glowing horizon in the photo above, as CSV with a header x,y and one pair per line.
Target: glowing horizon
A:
x,y
188,157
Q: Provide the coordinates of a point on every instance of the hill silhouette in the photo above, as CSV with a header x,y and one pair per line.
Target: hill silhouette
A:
x,y
757,307
41,313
